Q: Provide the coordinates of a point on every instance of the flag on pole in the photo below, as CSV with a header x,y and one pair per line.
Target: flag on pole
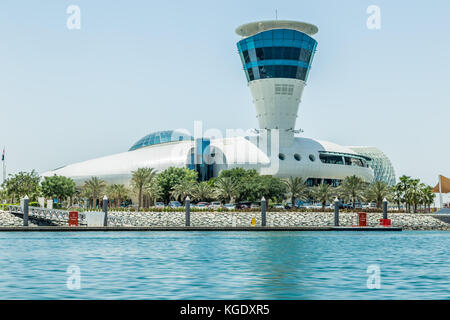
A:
x,y
3,155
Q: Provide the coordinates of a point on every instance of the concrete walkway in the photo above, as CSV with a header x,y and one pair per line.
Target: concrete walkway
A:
x,y
84,229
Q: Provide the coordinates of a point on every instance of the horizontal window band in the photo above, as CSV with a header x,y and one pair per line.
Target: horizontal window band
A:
x,y
276,63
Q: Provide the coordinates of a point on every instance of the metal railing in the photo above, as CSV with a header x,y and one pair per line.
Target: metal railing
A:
x,y
49,214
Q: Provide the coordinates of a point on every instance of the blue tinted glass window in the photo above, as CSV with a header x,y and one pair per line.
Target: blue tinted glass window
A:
x,y
258,36
277,53
288,34
288,42
260,53
267,35
278,42
268,43
245,56
277,34
250,74
160,137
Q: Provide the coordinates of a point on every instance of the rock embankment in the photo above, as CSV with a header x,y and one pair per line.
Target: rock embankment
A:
x,y
10,220
407,221
275,219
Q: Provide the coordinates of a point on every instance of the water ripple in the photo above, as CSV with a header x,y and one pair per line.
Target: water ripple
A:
x,y
225,265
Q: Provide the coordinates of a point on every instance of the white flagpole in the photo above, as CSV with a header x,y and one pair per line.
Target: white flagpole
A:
x,y
440,192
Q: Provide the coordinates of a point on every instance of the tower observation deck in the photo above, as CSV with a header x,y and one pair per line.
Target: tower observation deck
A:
x,y
277,56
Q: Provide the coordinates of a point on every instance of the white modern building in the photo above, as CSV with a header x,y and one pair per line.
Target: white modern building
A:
x,y
276,57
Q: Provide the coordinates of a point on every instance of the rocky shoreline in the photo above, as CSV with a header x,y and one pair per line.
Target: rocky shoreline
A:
x,y
407,221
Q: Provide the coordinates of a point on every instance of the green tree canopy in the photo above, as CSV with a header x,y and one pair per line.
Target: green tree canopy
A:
x,y
268,187
226,188
171,177
22,184
203,191
183,189
248,185
59,187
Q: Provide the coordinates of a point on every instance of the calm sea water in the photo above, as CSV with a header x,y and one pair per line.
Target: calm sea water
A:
x,y
225,265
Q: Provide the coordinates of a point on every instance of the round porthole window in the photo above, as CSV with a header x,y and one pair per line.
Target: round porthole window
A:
x,y
297,157
281,156
312,158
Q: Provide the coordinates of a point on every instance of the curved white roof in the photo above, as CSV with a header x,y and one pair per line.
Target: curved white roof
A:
x,y
249,29
159,157
325,145
333,147
237,151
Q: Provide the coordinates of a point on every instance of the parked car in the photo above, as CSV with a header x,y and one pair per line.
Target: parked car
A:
x,y
230,206
243,205
341,206
175,204
278,206
288,205
202,205
306,206
215,205
369,205
160,205
255,206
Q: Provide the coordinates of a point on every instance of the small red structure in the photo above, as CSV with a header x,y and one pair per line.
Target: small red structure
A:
x,y
73,219
362,219
385,222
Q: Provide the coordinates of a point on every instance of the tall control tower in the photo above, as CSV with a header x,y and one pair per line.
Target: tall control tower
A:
x,y
277,56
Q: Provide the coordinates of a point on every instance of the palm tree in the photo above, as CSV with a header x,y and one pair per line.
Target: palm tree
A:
x,y
183,189
404,185
378,191
93,189
428,197
414,193
152,191
117,192
226,188
353,188
203,191
323,193
397,194
140,178
297,188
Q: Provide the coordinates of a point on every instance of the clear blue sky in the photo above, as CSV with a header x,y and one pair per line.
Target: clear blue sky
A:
x,y
141,66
